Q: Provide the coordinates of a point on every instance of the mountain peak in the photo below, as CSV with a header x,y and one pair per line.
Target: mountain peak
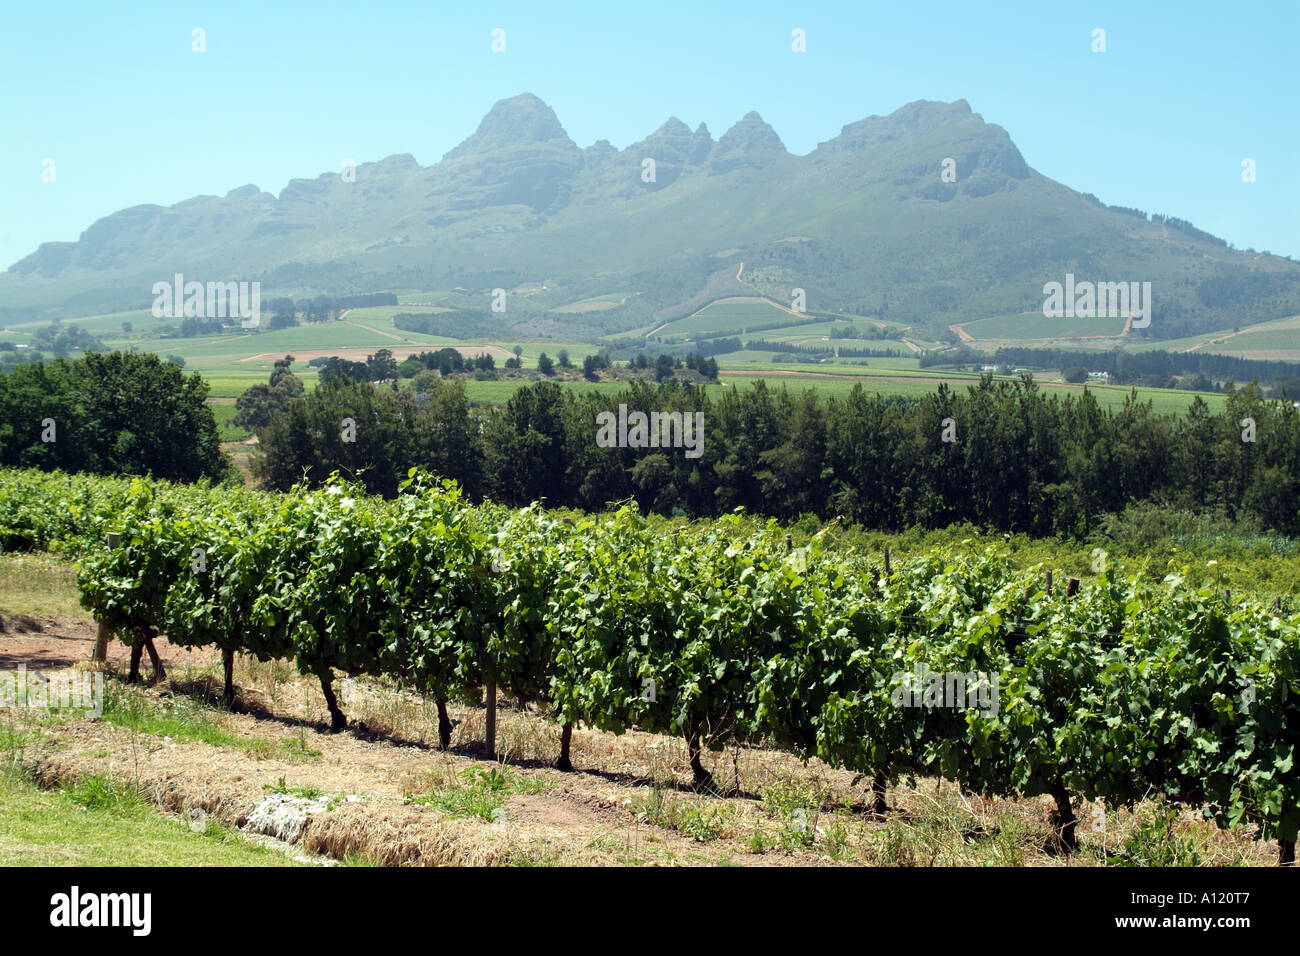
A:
x,y
674,127
750,142
512,122
520,155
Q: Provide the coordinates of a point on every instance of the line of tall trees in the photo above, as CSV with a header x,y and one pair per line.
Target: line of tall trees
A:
x,y
1154,363
1001,454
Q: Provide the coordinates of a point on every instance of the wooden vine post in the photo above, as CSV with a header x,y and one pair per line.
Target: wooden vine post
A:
x,y
100,654
490,729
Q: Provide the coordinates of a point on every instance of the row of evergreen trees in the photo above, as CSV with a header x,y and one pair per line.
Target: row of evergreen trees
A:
x,y
1001,454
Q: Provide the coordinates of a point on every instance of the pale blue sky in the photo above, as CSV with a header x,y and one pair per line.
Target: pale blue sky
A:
x,y
1161,120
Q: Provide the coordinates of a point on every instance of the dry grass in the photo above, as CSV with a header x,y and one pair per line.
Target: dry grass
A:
x,y
630,803
38,583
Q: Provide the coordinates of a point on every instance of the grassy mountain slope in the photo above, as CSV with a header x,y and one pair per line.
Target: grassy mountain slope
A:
x,y
864,224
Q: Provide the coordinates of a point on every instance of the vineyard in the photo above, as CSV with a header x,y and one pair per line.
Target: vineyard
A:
x,y
1119,690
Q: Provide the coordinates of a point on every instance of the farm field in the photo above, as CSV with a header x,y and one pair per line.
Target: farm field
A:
x,y
839,384
224,410
840,380
232,363
727,315
380,317
405,299
898,345
789,333
1278,340
597,303
1167,345
229,349
1033,326
103,325
227,386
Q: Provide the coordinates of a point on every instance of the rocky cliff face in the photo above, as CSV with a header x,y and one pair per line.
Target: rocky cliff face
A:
x,y
520,155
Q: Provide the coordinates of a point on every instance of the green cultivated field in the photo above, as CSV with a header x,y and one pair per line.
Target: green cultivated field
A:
x,y
789,333
141,320
1169,345
233,362
381,316
895,344
726,315
596,303
1272,344
1035,325
840,381
1278,340
232,386
415,298
227,431
745,357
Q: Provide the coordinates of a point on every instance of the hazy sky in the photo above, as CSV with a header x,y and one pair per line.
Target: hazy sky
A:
x,y
130,114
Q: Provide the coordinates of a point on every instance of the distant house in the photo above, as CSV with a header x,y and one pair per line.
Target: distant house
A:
x,y
250,323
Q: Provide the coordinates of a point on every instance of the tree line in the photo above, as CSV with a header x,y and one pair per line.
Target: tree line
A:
x,y
1002,454
1126,365
118,413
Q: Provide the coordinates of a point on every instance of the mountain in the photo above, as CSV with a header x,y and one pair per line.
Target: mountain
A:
x,y
866,223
